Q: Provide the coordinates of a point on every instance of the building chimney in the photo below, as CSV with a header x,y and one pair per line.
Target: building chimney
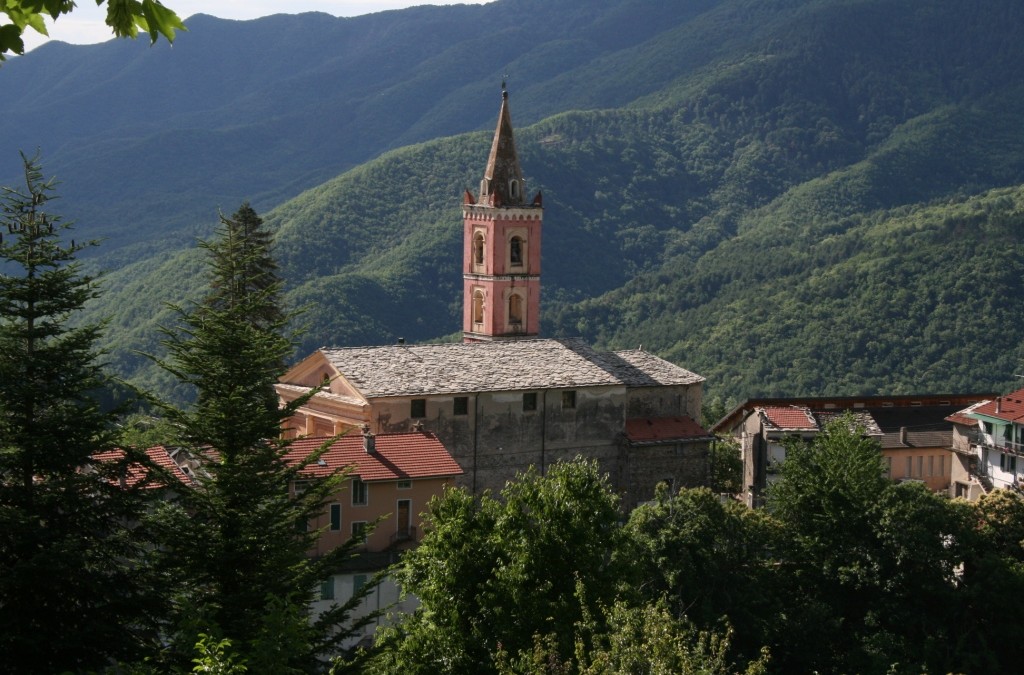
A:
x,y
999,404
369,440
401,341
903,435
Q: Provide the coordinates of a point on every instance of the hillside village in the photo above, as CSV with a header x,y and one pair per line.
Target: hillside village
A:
x,y
504,500
416,419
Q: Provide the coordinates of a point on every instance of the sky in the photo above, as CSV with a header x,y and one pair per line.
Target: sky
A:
x,y
85,24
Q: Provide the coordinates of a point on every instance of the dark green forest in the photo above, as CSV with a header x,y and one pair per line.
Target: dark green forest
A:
x,y
790,198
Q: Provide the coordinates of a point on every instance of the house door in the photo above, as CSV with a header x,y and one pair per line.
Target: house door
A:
x,y
404,518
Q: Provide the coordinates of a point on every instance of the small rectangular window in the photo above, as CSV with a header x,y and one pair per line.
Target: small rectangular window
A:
x,y
942,466
327,589
910,461
568,400
359,531
931,465
404,484
360,492
461,405
418,409
335,517
529,401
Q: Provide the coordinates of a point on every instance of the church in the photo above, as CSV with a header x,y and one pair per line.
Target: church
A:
x,y
505,399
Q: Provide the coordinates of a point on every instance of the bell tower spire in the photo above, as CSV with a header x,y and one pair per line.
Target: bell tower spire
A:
x,y
501,246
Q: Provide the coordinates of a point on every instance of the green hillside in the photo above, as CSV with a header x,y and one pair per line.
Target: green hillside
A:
x,y
818,197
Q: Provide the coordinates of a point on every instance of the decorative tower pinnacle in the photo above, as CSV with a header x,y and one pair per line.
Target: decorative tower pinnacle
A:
x,y
501,246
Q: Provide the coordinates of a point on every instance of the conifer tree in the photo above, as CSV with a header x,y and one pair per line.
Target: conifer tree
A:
x,y
71,597
234,542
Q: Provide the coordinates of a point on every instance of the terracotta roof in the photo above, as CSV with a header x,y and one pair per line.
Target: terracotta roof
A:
x,y
902,405
963,416
453,368
654,429
789,418
1009,407
395,457
135,473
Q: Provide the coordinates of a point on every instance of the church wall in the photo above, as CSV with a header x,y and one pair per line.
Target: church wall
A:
x,y
678,464
497,438
665,401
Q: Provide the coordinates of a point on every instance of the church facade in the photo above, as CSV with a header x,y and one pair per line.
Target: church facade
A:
x,y
504,399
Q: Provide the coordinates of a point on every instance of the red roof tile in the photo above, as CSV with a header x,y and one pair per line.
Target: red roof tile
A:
x,y
648,429
136,473
395,457
1009,407
790,418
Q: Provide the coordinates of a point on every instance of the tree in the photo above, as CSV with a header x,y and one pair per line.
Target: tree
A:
x,y
492,573
704,559
646,640
233,542
726,466
71,594
825,501
125,18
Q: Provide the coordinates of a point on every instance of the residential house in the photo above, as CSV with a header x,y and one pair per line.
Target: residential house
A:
x,y
913,432
989,439
390,479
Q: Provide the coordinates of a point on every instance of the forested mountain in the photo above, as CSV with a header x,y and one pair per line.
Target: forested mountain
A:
x,y
789,197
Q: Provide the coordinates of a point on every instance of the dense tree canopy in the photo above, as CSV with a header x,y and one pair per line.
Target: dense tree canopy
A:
x,y
72,590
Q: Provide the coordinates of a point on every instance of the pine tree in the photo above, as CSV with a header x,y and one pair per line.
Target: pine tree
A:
x,y
71,597
234,541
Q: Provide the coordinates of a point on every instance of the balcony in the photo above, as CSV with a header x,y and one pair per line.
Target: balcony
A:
x,y
403,535
993,442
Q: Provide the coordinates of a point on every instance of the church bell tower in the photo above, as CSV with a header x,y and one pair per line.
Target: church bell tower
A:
x,y
501,247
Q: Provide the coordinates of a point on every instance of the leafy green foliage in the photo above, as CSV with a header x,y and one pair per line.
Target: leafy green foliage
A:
x,y
705,559
69,558
492,573
125,18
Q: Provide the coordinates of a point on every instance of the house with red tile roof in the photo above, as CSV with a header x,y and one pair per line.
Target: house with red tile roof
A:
x,y
989,436
913,432
389,480
132,474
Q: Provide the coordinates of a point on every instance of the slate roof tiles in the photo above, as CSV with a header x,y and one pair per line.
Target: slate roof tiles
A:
x,y
451,368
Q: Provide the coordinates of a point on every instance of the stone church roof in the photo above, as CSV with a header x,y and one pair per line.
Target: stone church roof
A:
x,y
519,365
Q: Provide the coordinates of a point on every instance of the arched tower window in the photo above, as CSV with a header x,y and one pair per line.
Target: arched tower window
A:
x,y
515,310
478,307
513,189
515,251
478,248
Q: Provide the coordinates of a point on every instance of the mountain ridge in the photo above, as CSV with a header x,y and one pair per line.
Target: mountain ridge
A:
x,y
713,164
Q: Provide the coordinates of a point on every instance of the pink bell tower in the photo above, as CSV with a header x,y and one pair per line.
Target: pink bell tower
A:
x,y
501,247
